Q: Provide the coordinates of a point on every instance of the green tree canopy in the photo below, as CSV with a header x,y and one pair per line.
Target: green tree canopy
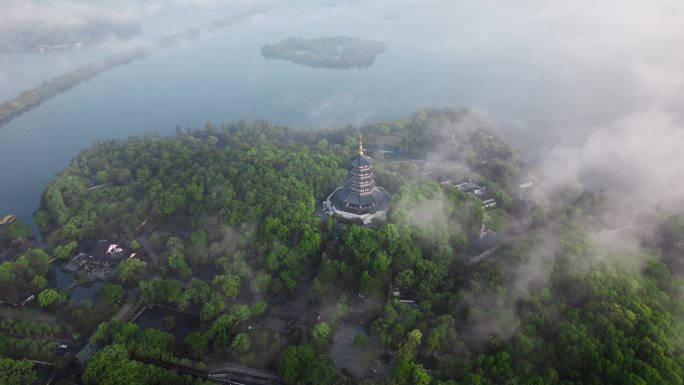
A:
x,y
300,365
16,372
241,343
131,270
50,297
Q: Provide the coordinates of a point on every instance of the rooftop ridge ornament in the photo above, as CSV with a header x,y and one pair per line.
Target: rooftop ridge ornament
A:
x,y
360,146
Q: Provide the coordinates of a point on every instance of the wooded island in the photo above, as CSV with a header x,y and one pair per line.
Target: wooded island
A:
x,y
339,52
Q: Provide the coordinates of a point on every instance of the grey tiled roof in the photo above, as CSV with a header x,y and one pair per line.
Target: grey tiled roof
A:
x,y
360,161
481,245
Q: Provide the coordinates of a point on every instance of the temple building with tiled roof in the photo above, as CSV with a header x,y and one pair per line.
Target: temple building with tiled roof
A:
x,y
359,198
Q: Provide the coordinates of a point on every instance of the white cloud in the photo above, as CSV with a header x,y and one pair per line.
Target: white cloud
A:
x,y
71,13
637,159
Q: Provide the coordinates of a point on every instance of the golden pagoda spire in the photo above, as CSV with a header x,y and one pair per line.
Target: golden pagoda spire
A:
x,y
360,146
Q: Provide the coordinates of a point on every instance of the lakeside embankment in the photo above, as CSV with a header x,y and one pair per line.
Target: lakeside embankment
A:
x,y
31,98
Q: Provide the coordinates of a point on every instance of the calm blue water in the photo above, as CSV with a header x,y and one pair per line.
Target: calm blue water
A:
x,y
223,77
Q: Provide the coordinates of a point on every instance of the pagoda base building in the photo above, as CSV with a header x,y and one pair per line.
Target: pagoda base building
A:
x,y
359,199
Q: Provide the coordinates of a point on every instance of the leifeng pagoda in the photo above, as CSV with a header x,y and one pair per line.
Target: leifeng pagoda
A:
x,y
359,198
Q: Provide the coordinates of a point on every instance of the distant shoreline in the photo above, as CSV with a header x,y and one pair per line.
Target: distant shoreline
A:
x,y
29,38
34,97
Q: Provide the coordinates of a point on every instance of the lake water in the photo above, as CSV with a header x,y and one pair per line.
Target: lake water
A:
x,y
223,77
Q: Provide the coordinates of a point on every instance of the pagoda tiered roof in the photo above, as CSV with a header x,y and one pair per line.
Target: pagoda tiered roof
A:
x,y
359,197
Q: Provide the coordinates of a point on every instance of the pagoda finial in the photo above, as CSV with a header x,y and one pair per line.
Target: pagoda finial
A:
x,y
360,146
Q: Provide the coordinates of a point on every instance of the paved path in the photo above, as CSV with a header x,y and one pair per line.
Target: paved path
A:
x,y
227,373
225,368
86,353
27,314
146,245
123,314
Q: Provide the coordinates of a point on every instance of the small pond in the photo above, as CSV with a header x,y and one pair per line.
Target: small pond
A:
x,y
87,291
182,324
58,278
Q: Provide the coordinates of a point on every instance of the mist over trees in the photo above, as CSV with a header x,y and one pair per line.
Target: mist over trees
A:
x,y
560,304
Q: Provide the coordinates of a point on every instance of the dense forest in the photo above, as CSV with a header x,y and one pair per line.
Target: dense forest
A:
x,y
225,222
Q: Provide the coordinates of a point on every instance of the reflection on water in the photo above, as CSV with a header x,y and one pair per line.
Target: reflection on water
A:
x,y
180,326
235,82
58,278
87,291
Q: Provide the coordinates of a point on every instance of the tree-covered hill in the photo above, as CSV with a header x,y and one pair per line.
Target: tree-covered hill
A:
x,y
230,212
